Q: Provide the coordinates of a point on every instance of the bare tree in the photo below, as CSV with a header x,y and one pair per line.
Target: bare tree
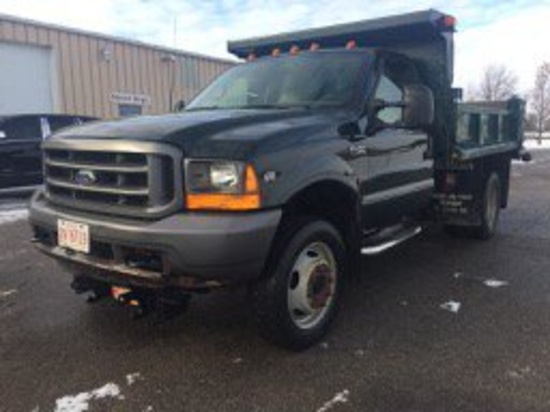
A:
x,y
497,83
540,97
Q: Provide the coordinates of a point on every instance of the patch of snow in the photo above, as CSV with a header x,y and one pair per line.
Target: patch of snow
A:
x,y
495,283
341,397
522,163
11,216
458,275
12,205
109,390
519,373
324,345
148,409
533,144
237,360
6,293
81,402
359,352
132,378
451,306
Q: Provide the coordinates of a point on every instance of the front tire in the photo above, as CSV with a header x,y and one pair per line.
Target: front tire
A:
x,y
296,300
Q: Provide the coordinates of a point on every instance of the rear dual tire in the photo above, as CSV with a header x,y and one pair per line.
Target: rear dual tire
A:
x,y
489,213
491,209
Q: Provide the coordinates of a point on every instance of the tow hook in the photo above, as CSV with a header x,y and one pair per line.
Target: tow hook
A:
x,y
165,303
97,290
141,303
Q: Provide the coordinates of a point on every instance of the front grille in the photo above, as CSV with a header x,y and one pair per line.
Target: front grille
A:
x,y
110,181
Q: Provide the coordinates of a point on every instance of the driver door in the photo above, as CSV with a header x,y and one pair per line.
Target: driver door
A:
x,y
399,180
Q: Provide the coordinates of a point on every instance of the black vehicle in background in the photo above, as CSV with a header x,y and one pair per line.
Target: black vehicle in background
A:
x,y
20,140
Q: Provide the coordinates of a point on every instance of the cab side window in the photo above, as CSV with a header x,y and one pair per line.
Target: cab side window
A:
x,y
397,73
388,91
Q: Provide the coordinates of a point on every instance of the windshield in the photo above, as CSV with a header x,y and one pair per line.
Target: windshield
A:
x,y
307,80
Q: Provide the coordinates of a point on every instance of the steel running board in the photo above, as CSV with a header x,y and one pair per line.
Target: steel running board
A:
x,y
382,247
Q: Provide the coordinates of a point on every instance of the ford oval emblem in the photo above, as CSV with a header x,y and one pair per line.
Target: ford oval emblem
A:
x,y
85,178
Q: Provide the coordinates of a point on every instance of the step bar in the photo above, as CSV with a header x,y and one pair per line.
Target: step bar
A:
x,y
394,241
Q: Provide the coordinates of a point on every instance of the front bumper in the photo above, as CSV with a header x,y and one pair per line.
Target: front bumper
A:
x,y
191,250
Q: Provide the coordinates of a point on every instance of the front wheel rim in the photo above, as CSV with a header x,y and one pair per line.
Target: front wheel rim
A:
x,y
312,285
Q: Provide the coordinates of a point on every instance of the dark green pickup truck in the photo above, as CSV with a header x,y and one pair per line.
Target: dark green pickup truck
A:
x,y
326,145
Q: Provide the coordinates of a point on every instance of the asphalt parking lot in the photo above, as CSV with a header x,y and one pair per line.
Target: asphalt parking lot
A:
x,y
438,324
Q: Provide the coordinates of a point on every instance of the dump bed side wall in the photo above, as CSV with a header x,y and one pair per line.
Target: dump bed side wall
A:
x,y
488,137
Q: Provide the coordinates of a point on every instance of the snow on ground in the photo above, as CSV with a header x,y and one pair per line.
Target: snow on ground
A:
x,y
341,397
533,144
6,293
490,282
81,402
451,306
10,216
495,283
132,378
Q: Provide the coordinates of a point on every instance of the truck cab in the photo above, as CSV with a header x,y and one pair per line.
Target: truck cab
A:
x,y
325,145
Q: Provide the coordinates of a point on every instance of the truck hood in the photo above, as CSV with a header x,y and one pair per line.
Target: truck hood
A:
x,y
216,133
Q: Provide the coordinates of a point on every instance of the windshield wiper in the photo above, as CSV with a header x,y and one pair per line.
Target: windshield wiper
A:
x,y
261,106
196,109
252,107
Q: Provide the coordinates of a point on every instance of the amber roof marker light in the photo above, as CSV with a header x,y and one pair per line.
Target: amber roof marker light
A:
x,y
314,46
447,23
350,45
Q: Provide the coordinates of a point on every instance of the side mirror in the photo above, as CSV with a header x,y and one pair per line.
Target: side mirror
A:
x,y
418,110
3,135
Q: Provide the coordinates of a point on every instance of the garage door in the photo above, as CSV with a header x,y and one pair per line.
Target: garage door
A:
x,y
25,79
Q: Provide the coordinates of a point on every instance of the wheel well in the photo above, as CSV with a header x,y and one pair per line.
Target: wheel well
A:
x,y
331,201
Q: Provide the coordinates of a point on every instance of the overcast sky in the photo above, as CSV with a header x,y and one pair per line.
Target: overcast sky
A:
x,y
511,32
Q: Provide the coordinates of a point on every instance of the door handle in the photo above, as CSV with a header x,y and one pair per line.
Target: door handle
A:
x,y
357,150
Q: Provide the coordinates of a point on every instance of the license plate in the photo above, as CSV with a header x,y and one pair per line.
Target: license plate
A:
x,y
73,235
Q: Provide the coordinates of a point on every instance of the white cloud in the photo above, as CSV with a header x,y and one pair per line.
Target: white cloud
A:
x,y
516,40
490,31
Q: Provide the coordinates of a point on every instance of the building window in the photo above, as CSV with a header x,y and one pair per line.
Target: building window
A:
x,y
125,110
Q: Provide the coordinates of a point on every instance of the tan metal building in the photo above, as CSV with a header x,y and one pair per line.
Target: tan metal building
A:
x,y
46,68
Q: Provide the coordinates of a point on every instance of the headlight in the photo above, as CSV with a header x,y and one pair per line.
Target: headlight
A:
x,y
214,176
221,185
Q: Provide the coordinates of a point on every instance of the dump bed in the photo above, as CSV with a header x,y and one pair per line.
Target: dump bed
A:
x,y
488,128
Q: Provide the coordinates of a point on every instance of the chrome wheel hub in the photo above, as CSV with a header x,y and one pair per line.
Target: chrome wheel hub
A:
x,y
311,286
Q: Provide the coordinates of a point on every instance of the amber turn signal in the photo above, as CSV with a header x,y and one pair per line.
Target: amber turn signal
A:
x,y
248,200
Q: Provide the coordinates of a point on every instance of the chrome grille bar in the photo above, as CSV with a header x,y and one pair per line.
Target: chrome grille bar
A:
x,y
114,177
